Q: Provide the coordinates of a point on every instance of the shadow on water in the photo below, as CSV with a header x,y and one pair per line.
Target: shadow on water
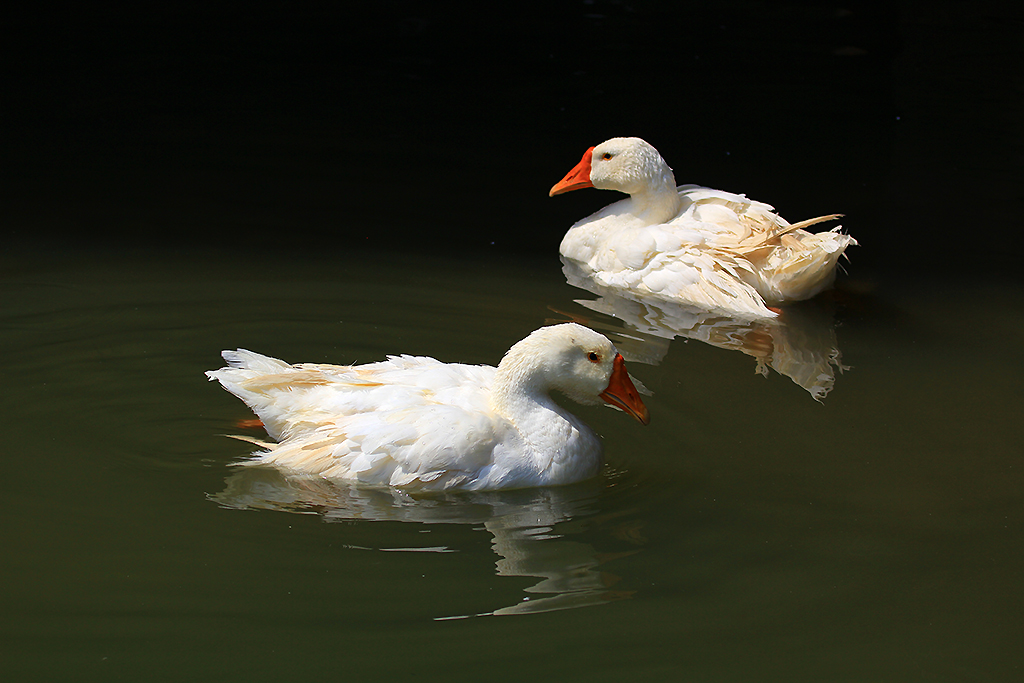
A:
x,y
529,528
800,344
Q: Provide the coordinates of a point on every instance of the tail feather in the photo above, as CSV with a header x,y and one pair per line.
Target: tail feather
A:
x,y
257,362
253,440
785,230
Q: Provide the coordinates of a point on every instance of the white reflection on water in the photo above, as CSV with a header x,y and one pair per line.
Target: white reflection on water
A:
x,y
521,522
799,344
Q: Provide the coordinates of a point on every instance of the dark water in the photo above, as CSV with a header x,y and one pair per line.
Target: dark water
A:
x,y
342,184
872,536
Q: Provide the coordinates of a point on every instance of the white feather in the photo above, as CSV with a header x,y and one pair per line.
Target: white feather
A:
x,y
693,244
420,424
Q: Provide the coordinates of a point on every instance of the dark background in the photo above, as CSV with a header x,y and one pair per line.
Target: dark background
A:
x,y
411,126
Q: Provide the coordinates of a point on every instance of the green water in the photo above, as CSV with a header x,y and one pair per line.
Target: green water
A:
x,y
749,533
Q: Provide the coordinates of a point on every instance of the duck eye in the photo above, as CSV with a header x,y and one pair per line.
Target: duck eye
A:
x,y
594,357
606,156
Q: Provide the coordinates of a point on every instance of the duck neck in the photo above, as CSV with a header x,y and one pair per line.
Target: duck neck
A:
x,y
658,201
522,396
518,391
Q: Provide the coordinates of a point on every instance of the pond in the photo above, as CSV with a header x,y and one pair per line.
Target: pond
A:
x,y
858,518
835,497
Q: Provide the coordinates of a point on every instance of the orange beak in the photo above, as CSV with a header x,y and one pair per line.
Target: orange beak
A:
x,y
577,179
622,394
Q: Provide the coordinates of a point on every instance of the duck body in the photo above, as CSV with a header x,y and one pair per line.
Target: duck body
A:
x,y
418,424
693,244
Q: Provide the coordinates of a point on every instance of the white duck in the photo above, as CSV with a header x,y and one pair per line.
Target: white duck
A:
x,y
693,244
418,424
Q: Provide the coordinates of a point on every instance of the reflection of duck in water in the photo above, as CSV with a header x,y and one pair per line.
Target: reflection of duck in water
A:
x,y
524,525
422,425
800,343
691,244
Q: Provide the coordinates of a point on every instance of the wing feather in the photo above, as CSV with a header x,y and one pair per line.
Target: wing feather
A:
x,y
408,421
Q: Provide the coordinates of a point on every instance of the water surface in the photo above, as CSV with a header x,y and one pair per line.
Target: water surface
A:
x,y
755,530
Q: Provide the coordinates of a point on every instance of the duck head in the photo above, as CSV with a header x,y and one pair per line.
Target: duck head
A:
x,y
582,364
628,165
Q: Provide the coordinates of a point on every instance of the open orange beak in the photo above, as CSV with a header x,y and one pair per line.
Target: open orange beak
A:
x,y
622,394
577,179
